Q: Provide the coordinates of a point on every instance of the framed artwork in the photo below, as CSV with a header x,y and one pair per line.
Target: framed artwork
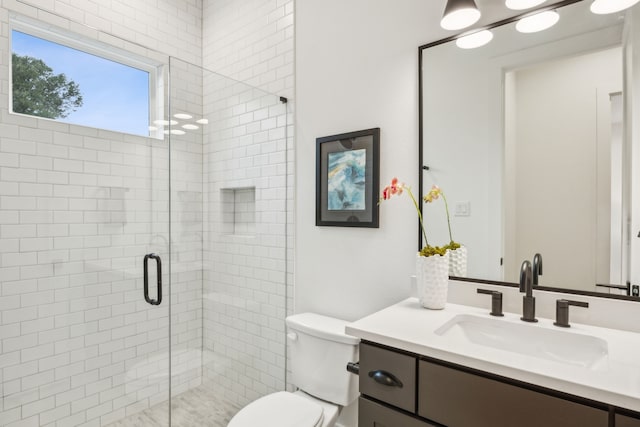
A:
x,y
348,179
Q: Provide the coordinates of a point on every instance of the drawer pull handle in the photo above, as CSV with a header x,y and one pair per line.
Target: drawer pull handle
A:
x,y
385,378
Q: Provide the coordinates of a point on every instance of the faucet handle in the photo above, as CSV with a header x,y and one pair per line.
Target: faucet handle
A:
x,y
526,277
562,311
537,268
496,301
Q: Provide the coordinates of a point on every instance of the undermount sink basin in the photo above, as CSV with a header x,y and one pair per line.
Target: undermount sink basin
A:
x,y
527,339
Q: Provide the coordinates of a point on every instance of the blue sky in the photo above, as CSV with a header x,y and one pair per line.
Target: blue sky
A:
x,y
116,96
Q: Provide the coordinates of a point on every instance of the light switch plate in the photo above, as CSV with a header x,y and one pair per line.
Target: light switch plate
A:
x,y
462,208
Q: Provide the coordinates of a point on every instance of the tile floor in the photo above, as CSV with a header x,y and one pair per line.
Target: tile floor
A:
x,y
201,406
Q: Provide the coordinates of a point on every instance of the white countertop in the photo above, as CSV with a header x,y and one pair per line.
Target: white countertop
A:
x,y
407,326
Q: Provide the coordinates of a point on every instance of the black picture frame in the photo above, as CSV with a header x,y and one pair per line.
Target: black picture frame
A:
x,y
348,179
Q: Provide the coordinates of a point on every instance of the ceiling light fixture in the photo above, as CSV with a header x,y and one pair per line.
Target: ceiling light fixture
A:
x,y
522,4
474,40
602,7
538,22
459,14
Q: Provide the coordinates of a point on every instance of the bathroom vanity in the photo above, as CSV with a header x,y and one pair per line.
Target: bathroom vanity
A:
x,y
462,367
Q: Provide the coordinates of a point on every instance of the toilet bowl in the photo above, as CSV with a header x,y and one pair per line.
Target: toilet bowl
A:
x,y
285,409
320,351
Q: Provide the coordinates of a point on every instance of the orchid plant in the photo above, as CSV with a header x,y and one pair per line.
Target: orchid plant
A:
x,y
396,188
432,195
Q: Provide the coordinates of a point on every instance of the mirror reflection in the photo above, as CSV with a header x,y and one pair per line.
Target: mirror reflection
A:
x,y
532,137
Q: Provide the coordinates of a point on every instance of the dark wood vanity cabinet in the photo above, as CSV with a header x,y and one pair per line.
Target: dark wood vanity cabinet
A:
x,y
456,398
627,421
372,414
388,376
400,389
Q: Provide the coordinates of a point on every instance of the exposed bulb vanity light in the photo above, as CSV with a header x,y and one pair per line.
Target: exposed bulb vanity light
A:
x,y
602,7
459,14
522,4
474,40
538,22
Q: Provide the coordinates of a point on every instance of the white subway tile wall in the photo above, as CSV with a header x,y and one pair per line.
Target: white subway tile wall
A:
x,y
252,41
168,26
186,180
79,207
244,270
78,342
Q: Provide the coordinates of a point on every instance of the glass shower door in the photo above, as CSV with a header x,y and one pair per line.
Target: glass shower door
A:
x,y
80,209
143,328
229,245
79,343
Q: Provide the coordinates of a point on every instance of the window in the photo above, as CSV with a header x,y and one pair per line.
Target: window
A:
x,y
68,78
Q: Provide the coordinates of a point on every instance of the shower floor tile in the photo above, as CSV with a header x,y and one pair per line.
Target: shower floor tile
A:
x,y
200,406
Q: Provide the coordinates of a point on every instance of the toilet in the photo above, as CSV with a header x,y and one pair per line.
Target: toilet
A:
x,y
320,351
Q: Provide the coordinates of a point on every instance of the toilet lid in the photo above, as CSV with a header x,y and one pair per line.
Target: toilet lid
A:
x,y
281,409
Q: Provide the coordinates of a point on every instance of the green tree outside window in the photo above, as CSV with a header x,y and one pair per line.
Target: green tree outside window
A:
x,y
38,91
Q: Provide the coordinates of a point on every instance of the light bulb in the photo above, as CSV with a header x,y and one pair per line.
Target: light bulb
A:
x,y
460,19
475,40
538,22
602,7
459,14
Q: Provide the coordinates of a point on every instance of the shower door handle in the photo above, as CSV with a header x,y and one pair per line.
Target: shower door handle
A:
x,y
146,279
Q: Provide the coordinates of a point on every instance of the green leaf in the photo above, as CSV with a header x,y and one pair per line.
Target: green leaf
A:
x,y
37,91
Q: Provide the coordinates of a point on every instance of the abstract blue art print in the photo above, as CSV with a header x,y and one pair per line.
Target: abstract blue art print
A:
x,y
346,180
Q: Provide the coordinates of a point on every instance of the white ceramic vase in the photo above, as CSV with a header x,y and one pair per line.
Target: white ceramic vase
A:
x,y
458,262
432,279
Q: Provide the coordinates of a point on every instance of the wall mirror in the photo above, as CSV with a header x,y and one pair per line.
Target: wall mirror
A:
x,y
534,140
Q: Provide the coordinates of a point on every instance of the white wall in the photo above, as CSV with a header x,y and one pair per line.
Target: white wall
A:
x,y
356,68
632,133
579,142
619,254
462,147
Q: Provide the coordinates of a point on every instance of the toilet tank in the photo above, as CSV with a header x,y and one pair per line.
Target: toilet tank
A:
x,y
320,351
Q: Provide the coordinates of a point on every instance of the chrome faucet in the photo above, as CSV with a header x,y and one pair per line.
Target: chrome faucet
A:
x,y
537,268
526,286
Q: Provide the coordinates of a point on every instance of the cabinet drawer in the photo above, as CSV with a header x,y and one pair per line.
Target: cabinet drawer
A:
x,y
388,376
624,421
372,414
459,399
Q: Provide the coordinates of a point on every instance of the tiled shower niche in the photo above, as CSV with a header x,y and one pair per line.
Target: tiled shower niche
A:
x,y
238,211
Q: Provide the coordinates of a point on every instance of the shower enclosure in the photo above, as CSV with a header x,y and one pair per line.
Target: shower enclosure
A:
x,y
144,279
